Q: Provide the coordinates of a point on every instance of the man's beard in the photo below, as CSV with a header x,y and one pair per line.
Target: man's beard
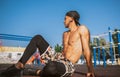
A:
x,y
66,25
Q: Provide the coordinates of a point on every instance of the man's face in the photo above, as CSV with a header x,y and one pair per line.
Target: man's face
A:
x,y
67,21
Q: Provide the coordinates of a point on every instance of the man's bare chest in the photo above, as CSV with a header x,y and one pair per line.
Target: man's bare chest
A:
x,y
73,37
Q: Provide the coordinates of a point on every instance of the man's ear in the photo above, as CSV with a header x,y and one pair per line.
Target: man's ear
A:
x,y
71,21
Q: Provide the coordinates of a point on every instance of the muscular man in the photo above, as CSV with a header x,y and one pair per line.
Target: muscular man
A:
x,y
75,42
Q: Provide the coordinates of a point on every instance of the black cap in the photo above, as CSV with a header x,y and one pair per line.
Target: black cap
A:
x,y
75,16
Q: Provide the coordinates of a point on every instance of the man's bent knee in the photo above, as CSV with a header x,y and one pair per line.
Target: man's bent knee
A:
x,y
37,37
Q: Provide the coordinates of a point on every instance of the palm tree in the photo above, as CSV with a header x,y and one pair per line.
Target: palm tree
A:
x,y
58,48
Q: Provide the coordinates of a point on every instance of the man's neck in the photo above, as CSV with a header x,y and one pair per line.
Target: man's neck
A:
x,y
73,27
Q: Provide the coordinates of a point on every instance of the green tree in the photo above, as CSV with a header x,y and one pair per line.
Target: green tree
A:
x,y
115,39
58,48
102,41
115,36
94,42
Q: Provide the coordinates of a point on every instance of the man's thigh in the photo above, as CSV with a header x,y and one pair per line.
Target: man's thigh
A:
x,y
53,69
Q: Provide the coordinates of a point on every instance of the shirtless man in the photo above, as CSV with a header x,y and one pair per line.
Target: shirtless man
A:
x,y
75,42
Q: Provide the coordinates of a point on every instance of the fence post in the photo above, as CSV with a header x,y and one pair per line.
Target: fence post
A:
x,y
119,43
110,40
98,44
104,57
94,54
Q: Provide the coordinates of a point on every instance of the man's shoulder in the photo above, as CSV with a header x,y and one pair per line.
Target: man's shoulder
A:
x,y
82,27
65,33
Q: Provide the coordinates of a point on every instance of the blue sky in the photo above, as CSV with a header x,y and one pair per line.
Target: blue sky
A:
x,y
45,17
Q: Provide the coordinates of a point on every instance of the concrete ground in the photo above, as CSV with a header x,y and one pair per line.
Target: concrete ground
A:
x,y
81,70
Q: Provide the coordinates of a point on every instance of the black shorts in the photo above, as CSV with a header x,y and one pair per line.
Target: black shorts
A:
x,y
57,69
57,66
53,69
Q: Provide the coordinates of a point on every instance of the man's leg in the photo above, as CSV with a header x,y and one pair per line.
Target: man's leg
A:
x,y
53,69
36,42
88,58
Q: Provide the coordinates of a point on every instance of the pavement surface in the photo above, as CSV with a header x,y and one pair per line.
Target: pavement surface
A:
x,y
81,70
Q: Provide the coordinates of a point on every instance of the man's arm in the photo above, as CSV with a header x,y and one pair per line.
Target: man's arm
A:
x,y
65,41
85,39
